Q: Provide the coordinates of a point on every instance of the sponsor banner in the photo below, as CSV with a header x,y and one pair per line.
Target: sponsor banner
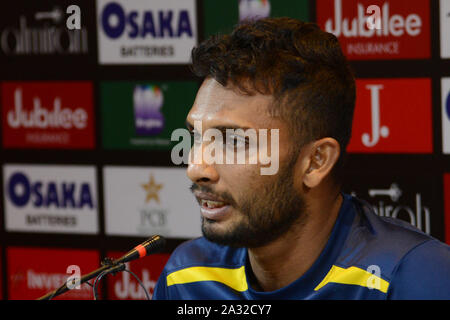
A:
x,y
444,6
47,31
33,272
392,116
139,201
222,16
145,32
1,273
413,199
389,29
50,198
144,115
124,285
445,91
54,115
447,206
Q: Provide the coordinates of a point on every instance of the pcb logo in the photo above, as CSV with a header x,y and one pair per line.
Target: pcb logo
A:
x,y
152,212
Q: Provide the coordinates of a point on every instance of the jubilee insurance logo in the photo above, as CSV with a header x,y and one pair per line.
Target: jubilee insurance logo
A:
x,y
47,115
403,31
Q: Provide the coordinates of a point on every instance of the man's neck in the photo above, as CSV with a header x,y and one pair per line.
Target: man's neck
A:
x,y
283,261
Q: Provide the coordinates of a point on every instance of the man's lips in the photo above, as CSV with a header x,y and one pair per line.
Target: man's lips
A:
x,y
211,206
209,200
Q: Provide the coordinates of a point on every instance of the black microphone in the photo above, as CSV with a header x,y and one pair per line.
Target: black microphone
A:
x,y
150,246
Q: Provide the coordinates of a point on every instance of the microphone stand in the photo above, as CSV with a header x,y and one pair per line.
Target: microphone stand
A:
x,y
108,266
151,245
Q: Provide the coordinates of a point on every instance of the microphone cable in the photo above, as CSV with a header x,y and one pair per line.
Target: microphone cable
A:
x,y
151,245
113,270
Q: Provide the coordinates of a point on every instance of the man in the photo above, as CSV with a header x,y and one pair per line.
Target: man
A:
x,y
291,235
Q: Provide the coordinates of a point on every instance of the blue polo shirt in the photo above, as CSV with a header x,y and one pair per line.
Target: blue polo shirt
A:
x,y
366,257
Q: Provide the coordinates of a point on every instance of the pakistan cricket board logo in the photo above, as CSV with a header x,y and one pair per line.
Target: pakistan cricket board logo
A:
x,y
153,215
147,101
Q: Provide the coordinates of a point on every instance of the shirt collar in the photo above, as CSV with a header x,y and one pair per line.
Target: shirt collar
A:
x,y
304,286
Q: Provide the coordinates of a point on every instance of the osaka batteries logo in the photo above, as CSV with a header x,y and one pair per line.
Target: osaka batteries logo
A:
x,y
147,101
50,198
135,31
116,21
253,9
22,192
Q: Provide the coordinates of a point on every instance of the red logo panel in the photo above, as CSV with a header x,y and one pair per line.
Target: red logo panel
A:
x,y
48,115
397,29
447,206
1,277
392,116
124,286
34,272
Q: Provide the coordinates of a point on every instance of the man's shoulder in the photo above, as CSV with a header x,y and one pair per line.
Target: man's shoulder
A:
x,y
412,261
201,252
379,239
423,273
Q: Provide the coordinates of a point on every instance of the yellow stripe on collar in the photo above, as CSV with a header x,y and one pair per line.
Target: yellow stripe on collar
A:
x,y
354,276
233,278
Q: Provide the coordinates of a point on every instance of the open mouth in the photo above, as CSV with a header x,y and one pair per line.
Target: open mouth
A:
x,y
210,204
212,207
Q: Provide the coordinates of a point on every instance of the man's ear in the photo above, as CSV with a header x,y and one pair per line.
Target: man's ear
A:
x,y
323,155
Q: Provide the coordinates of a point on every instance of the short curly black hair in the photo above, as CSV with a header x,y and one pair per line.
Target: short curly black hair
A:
x,y
302,66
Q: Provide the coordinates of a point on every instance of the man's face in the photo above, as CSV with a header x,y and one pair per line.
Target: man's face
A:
x,y
239,206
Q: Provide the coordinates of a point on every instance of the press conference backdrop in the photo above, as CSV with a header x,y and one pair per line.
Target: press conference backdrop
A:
x,y
87,116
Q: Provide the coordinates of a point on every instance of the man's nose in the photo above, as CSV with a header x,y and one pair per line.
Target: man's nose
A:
x,y
198,170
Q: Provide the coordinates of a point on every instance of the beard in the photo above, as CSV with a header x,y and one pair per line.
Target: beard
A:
x,y
267,210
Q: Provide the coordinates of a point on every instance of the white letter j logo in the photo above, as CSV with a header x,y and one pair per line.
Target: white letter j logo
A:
x,y
377,130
